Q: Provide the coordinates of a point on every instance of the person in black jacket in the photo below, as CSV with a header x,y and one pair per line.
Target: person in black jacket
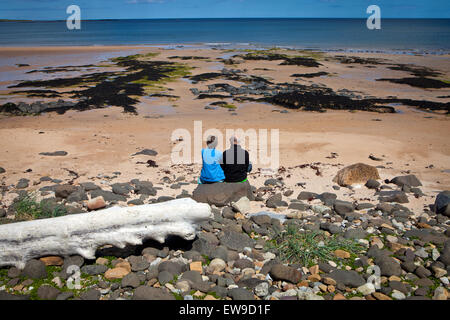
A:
x,y
235,162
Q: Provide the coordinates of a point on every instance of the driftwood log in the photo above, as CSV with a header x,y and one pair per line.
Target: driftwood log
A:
x,y
83,233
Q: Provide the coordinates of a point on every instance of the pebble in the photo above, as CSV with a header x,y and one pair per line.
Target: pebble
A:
x,y
398,295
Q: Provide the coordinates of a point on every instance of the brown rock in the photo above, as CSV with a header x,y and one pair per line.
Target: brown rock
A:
x,y
356,173
124,264
341,254
96,203
52,261
196,266
116,273
329,281
380,296
282,272
339,296
314,278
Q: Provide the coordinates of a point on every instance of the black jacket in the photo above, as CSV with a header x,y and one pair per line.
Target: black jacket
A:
x,y
235,164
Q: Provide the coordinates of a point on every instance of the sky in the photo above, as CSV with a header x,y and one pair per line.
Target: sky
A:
x,y
147,9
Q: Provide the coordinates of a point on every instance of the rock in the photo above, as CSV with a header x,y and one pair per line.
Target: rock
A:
x,y
35,269
398,295
96,203
422,272
217,265
273,182
63,191
107,195
327,198
54,154
243,263
52,261
440,294
94,269
298,206
91,294
194,276
357,233
236,241
46,292
64,295
14,272
116,273
410,180
380,296
184,286
174,268
138,263
242,205
395,196
261,220
240,294
356,173
372,184
122,188
89,186
343,207
222,194
347,278
144,187
388,266
22,184
274,201
307,295
146,152
150,293
164,277
304,195
282,272
442,203
2,170
341,254
262,289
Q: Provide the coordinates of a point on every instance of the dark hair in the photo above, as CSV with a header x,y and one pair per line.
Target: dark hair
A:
x,y
210,140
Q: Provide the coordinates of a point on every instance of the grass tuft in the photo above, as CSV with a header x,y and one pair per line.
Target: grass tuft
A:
x,y
309,247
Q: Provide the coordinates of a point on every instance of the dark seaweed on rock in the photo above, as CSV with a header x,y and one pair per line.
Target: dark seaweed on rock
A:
x,y
39,93
420,82
66,82
309,75
359,60
287,60
417,71
110,88
188,57
205,76
317,100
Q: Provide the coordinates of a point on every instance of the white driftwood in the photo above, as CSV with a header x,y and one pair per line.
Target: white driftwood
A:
x,y
83,233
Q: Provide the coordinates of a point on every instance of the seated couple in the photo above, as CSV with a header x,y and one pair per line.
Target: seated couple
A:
x,y
231,166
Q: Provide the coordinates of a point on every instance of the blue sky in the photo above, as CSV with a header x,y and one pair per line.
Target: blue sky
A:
x,y
141,9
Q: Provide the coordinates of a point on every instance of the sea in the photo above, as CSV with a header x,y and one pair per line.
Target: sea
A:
x,y
414,36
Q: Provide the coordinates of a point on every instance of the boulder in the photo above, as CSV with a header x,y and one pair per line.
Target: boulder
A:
x,y
222,194
356,173
409,180
442,203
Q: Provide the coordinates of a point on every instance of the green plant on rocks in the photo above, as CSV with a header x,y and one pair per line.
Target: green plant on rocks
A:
x,y
309,247
28,208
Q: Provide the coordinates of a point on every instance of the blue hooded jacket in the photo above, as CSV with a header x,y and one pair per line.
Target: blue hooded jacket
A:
x,y
211,170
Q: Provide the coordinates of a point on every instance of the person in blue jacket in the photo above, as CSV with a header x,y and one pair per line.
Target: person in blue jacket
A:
x,y
211,170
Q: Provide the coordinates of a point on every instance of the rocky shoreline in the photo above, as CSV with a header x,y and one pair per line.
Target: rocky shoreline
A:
x,y
300,245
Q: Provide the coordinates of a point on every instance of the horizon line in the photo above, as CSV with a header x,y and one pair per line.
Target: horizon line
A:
x,y
206,18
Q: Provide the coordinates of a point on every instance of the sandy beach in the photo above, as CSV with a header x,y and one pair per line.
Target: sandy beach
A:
x,y
101,141
91,136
